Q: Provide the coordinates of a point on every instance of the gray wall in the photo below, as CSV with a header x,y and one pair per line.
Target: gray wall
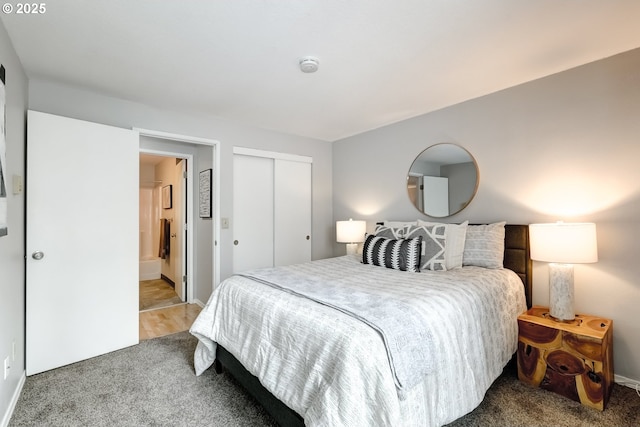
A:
x,y
461,178
564,147
12,246
204,229
69,101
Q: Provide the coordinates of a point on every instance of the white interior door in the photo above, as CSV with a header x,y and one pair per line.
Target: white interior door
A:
x,y
436,195
292,212
178,237
82,216
252,212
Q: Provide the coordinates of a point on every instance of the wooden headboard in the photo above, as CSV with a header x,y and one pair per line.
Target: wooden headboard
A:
x,y
517,255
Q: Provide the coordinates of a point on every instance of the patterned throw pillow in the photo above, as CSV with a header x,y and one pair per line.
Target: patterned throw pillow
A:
x,y
389,232
454,238
401,254
484,245
433,244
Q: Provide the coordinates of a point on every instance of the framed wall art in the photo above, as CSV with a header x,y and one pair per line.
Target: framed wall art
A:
x,y
205,194
167,197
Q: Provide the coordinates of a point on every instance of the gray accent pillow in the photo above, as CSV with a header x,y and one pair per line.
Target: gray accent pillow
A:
x,y
389,232
454,238
484,245
433,244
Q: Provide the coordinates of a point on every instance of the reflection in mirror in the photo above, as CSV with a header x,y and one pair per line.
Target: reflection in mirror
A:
x,y
442,180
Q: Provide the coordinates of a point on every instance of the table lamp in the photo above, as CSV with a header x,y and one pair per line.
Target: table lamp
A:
x,y
562,245
351,232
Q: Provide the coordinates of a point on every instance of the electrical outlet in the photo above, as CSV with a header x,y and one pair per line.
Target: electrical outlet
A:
x,y
7,366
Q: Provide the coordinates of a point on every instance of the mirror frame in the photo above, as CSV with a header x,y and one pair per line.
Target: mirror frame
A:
x,y
412,182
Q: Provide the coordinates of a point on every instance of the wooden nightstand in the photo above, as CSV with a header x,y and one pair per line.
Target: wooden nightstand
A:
x,y
574,359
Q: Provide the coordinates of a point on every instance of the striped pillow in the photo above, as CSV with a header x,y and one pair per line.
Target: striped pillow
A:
x,y
401,254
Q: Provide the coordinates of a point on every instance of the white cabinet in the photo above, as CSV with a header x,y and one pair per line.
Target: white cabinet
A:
x,y
271,209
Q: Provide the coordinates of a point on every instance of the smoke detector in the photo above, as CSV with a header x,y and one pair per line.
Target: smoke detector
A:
x,y
309,64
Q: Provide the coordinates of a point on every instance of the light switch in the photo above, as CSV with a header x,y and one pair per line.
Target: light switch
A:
x,y
224,222
17,184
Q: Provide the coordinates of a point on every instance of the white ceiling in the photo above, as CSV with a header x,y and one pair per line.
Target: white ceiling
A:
x,y
381,61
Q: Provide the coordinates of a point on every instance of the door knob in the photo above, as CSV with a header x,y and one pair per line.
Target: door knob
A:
x,y
308,237
235,242
37,255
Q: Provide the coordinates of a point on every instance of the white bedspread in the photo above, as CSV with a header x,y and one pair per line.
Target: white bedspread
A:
x,y
333,369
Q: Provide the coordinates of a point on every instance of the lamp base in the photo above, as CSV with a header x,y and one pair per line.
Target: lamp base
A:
x,y
352,248
561,292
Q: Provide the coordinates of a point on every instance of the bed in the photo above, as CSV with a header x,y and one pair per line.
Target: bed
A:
x,y
314,361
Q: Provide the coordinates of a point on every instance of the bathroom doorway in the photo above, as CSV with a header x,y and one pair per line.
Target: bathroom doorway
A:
x,y
163,202
193,157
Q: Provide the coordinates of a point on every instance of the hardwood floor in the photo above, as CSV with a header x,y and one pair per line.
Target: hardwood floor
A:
x,y
162,312
166,321
157,293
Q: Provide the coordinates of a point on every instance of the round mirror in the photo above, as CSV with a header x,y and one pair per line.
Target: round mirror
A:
x,y
442,180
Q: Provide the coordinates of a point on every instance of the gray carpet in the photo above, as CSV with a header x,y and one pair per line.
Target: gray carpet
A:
x,y
153,384
512,403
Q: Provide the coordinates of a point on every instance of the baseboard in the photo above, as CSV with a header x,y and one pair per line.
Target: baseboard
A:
x,y
169,281
14,401
634,384
198,302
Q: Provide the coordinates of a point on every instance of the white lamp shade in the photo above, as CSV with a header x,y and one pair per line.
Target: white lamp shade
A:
x,y
350,231
564,243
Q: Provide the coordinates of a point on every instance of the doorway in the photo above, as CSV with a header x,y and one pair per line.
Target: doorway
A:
x,y
163,202
96,230
200,256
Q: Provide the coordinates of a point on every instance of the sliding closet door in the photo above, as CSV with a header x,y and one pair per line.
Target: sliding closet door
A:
x,y
292,206
252,212
82,240
271,209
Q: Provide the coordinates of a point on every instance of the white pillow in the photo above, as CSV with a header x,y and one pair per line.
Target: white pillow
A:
x,y
455,236
484,245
